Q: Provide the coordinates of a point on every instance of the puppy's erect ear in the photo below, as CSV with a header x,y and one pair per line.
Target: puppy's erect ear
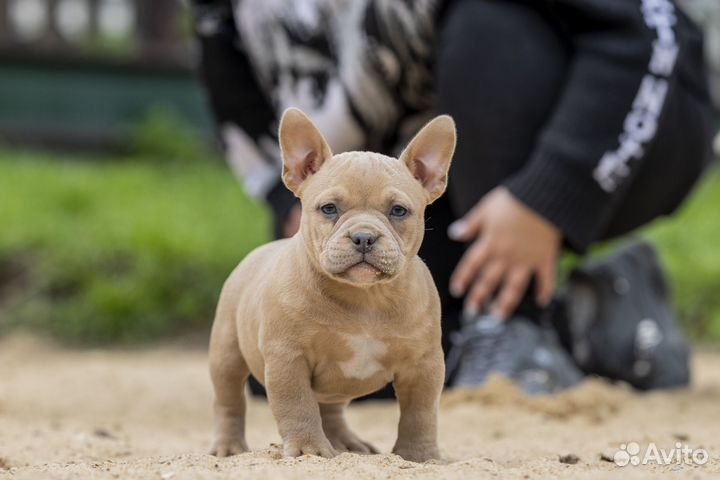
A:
x,y
428,155
303,148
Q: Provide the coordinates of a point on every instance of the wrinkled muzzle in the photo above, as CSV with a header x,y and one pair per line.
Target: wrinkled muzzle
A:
x,y
362,252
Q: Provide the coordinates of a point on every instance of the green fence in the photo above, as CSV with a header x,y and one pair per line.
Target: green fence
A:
x,y
90,104
80,73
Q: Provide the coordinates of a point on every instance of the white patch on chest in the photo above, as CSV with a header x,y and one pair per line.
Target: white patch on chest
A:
x,y
365,354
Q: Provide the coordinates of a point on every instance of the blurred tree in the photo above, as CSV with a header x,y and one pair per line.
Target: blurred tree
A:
x,y
158,28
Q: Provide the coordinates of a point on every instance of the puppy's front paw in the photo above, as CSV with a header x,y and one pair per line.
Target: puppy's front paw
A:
x,y
226,447
321,447
418,453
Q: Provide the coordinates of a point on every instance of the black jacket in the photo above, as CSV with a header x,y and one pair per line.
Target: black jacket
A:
x,y
628,57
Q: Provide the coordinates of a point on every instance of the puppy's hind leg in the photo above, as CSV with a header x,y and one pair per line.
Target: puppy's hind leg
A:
x,y
229,373
338,432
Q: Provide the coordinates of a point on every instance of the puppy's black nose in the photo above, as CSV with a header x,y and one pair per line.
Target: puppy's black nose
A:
x,y
363,241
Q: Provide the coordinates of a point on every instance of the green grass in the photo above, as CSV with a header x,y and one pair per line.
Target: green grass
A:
x,y
118,250
689,244
126,250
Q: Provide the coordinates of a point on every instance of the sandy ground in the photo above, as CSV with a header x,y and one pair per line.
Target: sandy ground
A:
x,y
146,415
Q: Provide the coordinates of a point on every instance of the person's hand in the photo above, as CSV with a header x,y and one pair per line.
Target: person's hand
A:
x,y
292,221
511,244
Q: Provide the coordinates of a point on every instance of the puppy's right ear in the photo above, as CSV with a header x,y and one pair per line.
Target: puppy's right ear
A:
x,y
303,148
429,154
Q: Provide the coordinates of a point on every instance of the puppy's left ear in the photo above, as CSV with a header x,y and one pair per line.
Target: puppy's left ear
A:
x,y
428,155
303,147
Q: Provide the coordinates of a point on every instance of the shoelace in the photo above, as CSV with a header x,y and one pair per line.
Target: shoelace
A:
x,y
477,348
647,336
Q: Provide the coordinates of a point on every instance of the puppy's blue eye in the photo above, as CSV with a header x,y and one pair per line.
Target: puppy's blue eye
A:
x,y
329,209
398,211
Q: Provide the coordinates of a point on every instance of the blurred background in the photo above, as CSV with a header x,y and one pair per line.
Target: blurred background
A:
x,y
119,221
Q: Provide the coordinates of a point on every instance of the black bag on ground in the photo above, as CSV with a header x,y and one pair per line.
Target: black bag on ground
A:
x,y
620,322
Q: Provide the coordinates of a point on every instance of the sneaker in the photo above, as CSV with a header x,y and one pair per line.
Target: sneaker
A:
x,y
517,348
621,324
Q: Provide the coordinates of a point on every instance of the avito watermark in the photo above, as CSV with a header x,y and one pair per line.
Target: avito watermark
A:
x,y
630,454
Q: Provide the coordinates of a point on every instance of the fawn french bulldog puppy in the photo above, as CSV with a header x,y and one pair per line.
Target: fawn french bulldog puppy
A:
x,y
343,307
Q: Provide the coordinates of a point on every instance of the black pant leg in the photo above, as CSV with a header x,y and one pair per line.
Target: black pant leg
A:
x,y
500,68
441,256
